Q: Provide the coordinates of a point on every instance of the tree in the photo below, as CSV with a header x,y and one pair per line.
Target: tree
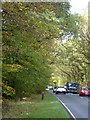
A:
x,y
30,34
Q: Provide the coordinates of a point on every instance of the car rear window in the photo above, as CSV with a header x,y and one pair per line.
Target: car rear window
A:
x,y
88,88
84,88
61,87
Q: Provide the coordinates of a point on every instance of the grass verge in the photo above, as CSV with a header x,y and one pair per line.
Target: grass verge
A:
x,y
50,107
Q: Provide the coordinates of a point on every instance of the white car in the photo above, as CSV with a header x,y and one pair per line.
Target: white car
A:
x,y
61,89
49,88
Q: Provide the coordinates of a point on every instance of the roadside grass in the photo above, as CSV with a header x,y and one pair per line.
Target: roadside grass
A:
x,y
49,107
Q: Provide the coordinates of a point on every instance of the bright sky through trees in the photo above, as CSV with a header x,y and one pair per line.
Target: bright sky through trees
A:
x,y
79,6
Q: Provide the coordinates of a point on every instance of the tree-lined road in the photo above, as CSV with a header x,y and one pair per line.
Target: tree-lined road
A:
x,y
79,106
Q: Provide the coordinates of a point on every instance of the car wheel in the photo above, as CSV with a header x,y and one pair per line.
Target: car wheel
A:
x,y
80,95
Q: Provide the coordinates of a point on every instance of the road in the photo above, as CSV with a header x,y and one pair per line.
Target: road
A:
x,y
0,108
78,106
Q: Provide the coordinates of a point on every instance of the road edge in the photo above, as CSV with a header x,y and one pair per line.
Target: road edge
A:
x,y
71,114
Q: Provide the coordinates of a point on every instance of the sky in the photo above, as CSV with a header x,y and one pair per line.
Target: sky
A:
x,y
79,6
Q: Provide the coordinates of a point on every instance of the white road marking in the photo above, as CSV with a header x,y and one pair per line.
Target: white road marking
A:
x,y
67,109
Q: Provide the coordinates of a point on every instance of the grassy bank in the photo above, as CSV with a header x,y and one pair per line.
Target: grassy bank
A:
x,y
50,107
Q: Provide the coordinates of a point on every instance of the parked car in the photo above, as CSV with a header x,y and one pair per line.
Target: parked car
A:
x,y
54,89
49,88
61,89
84,91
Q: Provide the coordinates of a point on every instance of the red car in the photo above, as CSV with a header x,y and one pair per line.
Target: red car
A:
x,y
84,91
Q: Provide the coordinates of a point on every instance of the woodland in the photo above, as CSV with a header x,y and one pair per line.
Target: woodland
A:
x,y
42,43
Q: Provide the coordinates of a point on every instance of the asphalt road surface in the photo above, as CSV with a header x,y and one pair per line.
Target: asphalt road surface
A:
x,y
78,106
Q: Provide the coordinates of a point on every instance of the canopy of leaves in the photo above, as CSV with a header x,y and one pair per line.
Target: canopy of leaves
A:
x,y
30,32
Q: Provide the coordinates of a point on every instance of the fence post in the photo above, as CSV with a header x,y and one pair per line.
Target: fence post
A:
x,y
42,95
